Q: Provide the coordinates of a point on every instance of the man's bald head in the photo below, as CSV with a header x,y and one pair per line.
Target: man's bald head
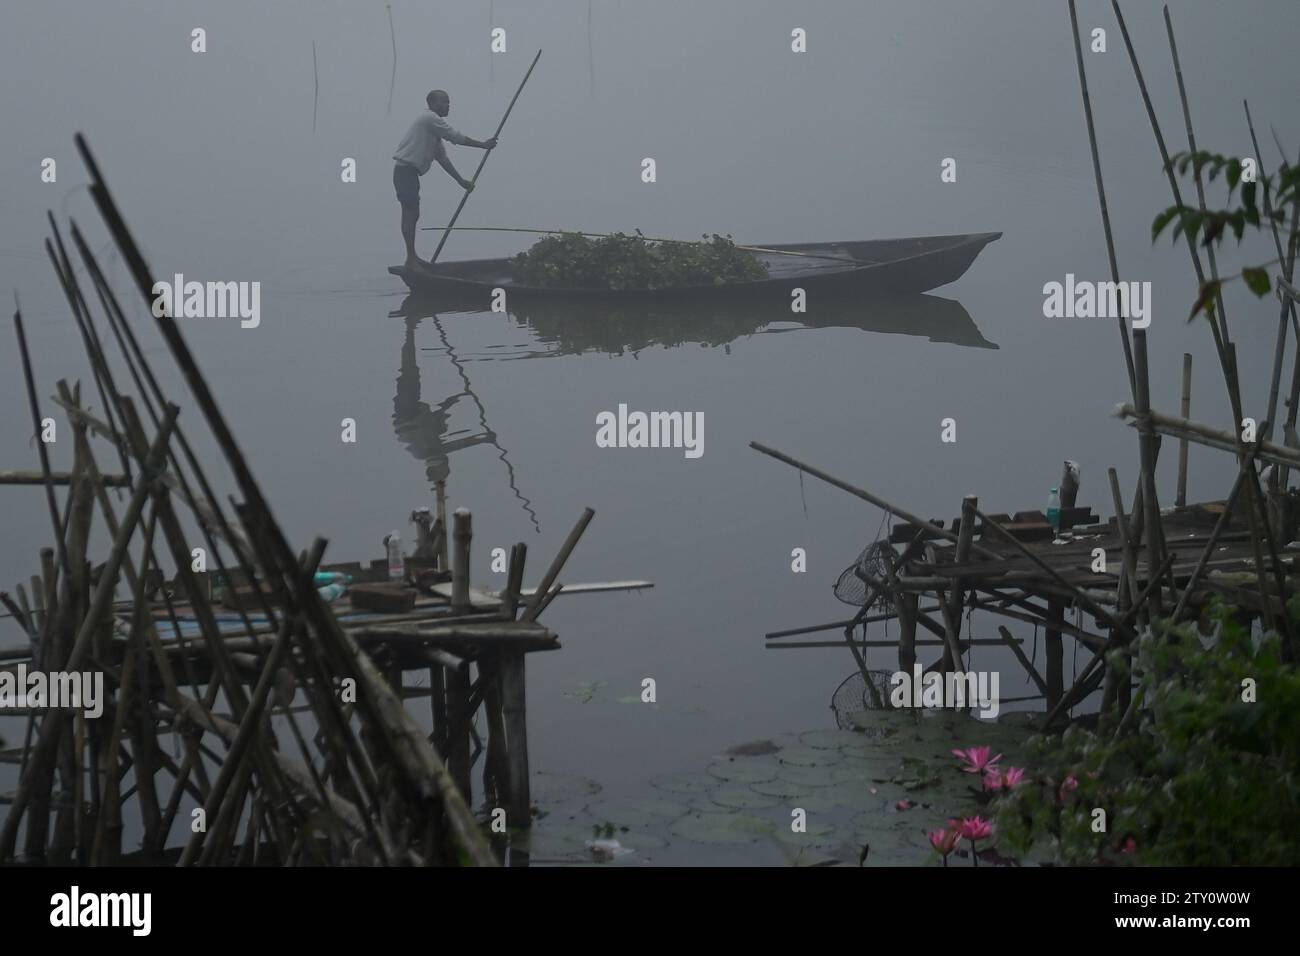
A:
x,y
438,101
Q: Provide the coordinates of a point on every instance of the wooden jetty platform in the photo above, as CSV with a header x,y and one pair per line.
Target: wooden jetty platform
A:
x,y
250,715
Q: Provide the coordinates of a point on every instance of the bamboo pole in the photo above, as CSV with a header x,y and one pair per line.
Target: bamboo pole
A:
x,y
393,728
1014,645
872,499
483,161
462,533
1101,189
1208,436
52,725
1129,551
515,713
957,594
514,581
1233,398
1146,447
1185,409
557,565
57,478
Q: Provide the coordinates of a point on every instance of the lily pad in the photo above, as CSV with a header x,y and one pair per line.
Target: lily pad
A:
x,y
754,748
810,776
781,788
745,769
548,788
634,813
739,797
733,829
830,739
685,782
585,692
818,833
809,757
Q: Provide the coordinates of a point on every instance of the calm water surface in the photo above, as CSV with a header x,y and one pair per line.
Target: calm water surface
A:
x,y
222,177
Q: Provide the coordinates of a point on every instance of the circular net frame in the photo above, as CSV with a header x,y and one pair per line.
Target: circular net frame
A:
x,y
852,696
875,560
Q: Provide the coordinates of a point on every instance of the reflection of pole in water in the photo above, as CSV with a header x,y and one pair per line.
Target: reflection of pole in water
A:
x,y
482,417
426,430
591,62
315,78
393,81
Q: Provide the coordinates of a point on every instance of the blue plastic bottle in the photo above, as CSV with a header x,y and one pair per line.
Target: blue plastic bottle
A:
x,y
1054,509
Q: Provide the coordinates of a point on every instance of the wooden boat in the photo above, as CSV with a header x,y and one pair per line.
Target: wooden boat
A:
x,y
870,267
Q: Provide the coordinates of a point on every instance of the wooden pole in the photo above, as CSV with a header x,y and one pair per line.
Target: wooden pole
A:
x,y
457,733
1146,449
557,565
1054,662
957,594
873,499
514,581
51,726
1101,189
1185,410
483,162
515,711
463,532
440,499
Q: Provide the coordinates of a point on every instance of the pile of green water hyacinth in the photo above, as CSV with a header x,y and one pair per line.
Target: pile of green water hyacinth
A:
x,y
622,261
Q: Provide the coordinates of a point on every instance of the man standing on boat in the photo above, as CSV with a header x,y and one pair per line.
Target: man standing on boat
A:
x,y
421,145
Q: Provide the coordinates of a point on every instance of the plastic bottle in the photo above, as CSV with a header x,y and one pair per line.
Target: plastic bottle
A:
x,y
396,564
1054,509
332,592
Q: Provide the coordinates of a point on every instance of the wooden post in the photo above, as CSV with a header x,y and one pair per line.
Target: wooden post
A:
x,y
1101,189
440,491
457,743
1185,409
1054,664
514,708
1147,451
496,772
534,607
514,581
463,533
957,596
907,614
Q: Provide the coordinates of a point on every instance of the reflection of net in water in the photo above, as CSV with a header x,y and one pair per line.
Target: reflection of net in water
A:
x,y
874,561
853,697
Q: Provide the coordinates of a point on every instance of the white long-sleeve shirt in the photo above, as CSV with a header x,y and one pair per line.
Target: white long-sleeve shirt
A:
x,y
422,143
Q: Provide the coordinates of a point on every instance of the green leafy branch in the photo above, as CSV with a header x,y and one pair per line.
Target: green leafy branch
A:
x,y
1211,226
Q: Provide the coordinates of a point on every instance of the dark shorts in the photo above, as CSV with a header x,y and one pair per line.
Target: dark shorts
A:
x,y
407,183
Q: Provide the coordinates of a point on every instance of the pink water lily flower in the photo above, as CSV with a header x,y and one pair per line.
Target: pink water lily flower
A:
x,y
976,828
977,759
1130,846
994,780
944,842
904,805
1071,782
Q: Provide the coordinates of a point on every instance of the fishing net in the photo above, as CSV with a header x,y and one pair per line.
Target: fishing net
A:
x,y
852,696
875,560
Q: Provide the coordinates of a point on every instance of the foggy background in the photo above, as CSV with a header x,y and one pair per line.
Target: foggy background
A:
x,y
214,162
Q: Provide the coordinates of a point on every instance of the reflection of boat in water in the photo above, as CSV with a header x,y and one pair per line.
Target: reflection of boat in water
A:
x,y
601,327
869,267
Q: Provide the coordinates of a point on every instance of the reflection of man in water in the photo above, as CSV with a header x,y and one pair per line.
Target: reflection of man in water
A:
x,y
425,431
